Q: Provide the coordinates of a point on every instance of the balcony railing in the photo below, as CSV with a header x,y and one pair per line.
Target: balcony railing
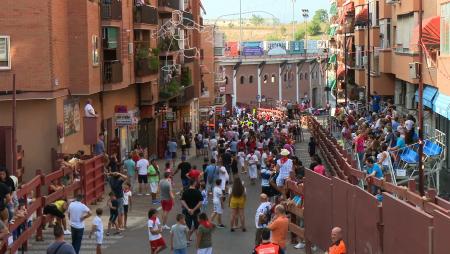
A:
x,y
146,14
174,4
145,67
220,100
112,72
189,55
111,9
188,19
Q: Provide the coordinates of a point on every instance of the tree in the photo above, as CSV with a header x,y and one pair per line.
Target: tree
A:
x,y
273,37
230,25
300,34
314,28
321,16
256,20
283,30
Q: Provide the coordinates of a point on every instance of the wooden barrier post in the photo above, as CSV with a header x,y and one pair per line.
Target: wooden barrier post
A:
x,y
39,211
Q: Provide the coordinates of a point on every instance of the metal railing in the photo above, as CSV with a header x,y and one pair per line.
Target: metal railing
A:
x,y
111,9
112,72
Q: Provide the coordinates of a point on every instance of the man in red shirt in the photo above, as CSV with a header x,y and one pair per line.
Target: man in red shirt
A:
x,y
195,174
266,247
338,245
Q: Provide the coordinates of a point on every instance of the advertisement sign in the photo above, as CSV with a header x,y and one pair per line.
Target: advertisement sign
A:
x,y
232,49
71,116
170,116
275,48
254,48
296,47
123,119
322,44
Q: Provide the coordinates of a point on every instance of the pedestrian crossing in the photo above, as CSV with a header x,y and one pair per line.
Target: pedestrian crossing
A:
x,y
88,246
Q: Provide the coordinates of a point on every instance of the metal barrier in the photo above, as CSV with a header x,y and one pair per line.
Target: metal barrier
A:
x,y
404,222
91,185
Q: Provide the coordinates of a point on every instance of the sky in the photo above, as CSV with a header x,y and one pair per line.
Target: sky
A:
x,y
282,9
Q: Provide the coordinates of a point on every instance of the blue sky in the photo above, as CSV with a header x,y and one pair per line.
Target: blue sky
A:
x,y
282,9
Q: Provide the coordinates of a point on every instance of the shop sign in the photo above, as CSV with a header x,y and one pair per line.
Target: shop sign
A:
x,y
123,119
170,116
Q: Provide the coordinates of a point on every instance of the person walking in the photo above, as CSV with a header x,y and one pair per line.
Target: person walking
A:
x,y
156,240
178,236
204,235
97,230
167,197
153,173
184,167
267,247
130,165
142,168
237,204
279,227
60,246
191,202
262,217
218,203
78,212
337,245
172,148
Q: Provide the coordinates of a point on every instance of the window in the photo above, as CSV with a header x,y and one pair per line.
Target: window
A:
x,y
273,78
110,37
301,76
306,76
375,59
404,29
374,13
95,55
265,78
385,33
5,53
359,55
445,29
285,77
226,80
250,79
242,80
443,125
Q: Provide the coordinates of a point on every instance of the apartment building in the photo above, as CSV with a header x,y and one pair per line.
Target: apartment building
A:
x,y
385,34
112,52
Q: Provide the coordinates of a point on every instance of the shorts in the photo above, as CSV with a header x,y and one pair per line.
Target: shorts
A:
x,y
158,243
237,202
99,238
113,217
173,155
185,182
280,180
52,210
142,179
154,188
120,209
205,251
218,207
167,205
125,209
191,220
180,251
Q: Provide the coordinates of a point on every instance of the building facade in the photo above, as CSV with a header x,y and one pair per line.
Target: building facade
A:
x,y
63,53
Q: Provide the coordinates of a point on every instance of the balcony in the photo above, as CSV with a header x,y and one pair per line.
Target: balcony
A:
x,y
167,6
190,55
220,77
360,38
145,14
168,45
112,72
386,61
146,62
219,101
170,90
188,19
111,9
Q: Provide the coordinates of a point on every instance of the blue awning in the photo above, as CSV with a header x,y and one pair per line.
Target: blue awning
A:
x,y
441,105
429,92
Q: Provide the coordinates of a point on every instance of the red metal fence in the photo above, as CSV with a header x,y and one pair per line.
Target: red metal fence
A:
x,y
403,222
91,185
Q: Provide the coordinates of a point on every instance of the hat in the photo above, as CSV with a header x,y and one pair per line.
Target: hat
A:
x,y
284,152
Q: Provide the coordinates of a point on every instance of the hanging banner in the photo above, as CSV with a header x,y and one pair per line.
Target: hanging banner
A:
x,y
232,49
274,48
253,48
296,47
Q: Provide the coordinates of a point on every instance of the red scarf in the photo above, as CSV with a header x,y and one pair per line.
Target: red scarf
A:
x,y
206,223
283,160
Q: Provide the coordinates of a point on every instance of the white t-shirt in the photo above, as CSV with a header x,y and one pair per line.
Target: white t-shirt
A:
x,y
99,224
217,194
76,211
224,177
89,111
126,197
142,166
264,157
154,226
212,143
263,208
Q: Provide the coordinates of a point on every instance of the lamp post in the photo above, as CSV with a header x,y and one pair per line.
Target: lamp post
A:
x,y
368,56
293,20
420,110
305,14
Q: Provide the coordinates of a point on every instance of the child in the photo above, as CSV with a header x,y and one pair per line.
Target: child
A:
x,y
204,235
205,197
311,147
156,240
113,205
127,194
218,203
97,229
178,236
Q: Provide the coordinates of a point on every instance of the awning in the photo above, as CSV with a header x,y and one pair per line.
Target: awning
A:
x,y
349,7
429,92
441,105
341,72
362,16
333,59
431,33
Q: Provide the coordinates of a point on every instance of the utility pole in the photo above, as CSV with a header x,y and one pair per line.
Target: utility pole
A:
x,y
14,128
368,56
240,23
420,111
345,65
293,20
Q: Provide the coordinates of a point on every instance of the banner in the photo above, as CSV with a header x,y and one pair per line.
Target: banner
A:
x,y
296,47
274,48
232,49
254,48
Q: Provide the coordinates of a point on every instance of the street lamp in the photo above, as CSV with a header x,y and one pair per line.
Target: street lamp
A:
x,y
293,20
305,14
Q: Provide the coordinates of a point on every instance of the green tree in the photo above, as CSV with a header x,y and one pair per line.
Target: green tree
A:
x,y
314,28
300,34
273,37
283,30
321,16
256,20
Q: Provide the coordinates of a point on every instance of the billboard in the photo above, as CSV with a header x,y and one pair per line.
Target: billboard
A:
x,y
252,48
296,47
274,48
232,49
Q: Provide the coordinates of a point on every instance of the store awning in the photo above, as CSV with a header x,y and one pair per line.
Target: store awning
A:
x,y
441,105
333,59
429,92
349,7
341,72
431,33
362,16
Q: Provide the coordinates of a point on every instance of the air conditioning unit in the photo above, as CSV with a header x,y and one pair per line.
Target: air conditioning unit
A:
x,y
392,1
414,70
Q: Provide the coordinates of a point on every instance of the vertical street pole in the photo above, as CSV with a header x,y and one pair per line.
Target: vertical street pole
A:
x,y
240,22
368,56
14,128
345,65
293,20
420,111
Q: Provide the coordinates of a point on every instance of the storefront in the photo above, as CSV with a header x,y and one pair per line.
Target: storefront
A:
x,y
126,130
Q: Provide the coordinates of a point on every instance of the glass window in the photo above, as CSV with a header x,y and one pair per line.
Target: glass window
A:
x,y
250,79
273,78
445,29
385,33
405,26
5,54
226,80
242,80
301,76
265,78
95,55
110,37
359,63
306,76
